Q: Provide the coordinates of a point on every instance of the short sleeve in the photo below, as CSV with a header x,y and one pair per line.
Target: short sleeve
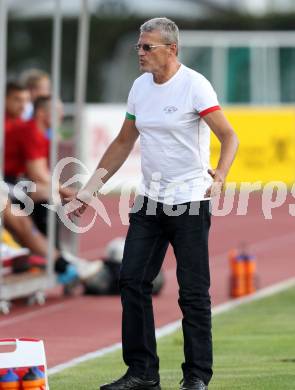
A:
x,y
130,114
204,98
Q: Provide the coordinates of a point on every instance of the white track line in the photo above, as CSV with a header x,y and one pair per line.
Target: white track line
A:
x,y
173,326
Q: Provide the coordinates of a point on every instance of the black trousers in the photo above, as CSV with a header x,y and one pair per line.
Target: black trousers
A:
x,y
151,229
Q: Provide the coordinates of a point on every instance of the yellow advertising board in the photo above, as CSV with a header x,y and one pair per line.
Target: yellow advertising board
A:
x,y
267,144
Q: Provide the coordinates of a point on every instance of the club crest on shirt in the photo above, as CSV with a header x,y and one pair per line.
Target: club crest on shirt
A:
x,y
170,109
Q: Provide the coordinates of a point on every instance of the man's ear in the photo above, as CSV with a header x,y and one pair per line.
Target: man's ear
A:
x,y
174,48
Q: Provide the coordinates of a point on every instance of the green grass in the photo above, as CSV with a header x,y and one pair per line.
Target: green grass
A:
x,y
254,348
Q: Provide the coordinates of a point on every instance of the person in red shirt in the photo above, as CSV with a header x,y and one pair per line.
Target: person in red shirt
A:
x,y
25,143
26,155
27,147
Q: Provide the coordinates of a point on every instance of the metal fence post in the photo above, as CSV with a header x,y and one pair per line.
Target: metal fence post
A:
x,y
3,54
80,86
56,64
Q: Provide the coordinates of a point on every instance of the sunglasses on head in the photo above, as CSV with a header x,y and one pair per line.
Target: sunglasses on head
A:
x,y
148,47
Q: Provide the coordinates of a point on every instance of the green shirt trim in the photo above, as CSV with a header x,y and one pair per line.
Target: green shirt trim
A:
x,y
130,116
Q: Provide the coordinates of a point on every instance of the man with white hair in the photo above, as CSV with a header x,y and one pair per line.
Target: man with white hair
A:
x,y
171,108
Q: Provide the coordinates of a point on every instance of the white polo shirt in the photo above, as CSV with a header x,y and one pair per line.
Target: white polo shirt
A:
x,y
174,138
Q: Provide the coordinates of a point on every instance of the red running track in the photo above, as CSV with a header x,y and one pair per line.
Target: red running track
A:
x,y
78,325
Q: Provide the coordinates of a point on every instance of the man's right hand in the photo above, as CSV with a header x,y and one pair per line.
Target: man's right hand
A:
x,y
75,207
67,192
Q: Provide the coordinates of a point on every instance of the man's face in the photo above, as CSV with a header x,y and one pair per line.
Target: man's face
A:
x,y
16,102
156,58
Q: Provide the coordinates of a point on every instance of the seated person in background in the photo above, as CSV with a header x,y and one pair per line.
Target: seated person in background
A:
x,y
26,156
38,84
27,147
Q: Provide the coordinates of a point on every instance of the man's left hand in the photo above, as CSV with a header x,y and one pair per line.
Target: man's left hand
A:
x,y
217,185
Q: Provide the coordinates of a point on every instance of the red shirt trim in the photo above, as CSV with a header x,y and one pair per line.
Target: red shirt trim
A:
x,y
208,110
29,339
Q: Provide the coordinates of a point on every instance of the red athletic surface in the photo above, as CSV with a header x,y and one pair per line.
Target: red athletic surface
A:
x,y
77,325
